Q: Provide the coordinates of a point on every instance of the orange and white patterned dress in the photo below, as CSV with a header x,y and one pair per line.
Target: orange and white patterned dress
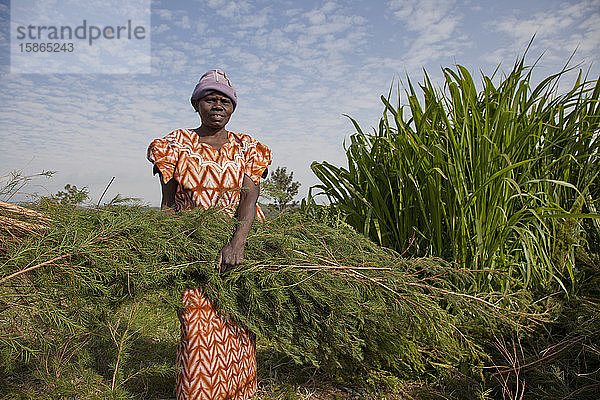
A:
x,y
215,357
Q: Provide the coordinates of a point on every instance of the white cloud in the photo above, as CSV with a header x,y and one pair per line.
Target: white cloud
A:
x,y
438,18
436,25
559,30
185,22
178,19
163,13
257,20
229,8
158,29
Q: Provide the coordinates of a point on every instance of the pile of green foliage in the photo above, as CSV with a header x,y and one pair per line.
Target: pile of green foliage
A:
x,y
319,294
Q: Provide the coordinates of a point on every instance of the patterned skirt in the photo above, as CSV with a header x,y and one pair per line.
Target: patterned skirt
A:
x,y
215,359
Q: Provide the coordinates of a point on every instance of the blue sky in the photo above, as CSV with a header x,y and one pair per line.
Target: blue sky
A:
x,y
298,67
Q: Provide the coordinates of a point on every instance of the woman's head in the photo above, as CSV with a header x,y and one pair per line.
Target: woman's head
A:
x,y
215,109
213,81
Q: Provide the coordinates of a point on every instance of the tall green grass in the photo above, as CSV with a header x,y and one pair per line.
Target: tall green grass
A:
x,y
497,178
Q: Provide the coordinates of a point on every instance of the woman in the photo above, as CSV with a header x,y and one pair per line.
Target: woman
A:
x,y
207,167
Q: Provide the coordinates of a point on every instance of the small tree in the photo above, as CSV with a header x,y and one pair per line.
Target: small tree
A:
x,y
71,195
281,189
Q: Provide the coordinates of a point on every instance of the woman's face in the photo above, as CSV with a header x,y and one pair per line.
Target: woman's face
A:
x,y
215,110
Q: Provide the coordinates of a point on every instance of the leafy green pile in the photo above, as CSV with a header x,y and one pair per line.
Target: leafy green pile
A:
x,y
322,295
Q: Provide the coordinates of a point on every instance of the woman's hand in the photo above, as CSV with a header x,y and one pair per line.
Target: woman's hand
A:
x,y
230,256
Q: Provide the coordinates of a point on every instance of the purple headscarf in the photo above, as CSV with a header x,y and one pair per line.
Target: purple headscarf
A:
x,y
214,80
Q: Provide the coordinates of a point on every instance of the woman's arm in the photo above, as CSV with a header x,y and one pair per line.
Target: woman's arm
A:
x,y
168,194
232,253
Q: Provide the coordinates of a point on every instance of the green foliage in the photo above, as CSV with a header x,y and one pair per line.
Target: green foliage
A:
x,y
549,362
322,296
71,195
88,306
119,199
499,180
281,188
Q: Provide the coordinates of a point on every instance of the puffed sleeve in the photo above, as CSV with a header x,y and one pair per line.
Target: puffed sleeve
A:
x,y
164,154
258,158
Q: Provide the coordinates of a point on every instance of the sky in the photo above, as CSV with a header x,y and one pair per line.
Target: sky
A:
x,y
299,67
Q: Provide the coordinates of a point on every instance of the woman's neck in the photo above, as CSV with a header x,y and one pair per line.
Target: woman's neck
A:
x,y
205,131
214,138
